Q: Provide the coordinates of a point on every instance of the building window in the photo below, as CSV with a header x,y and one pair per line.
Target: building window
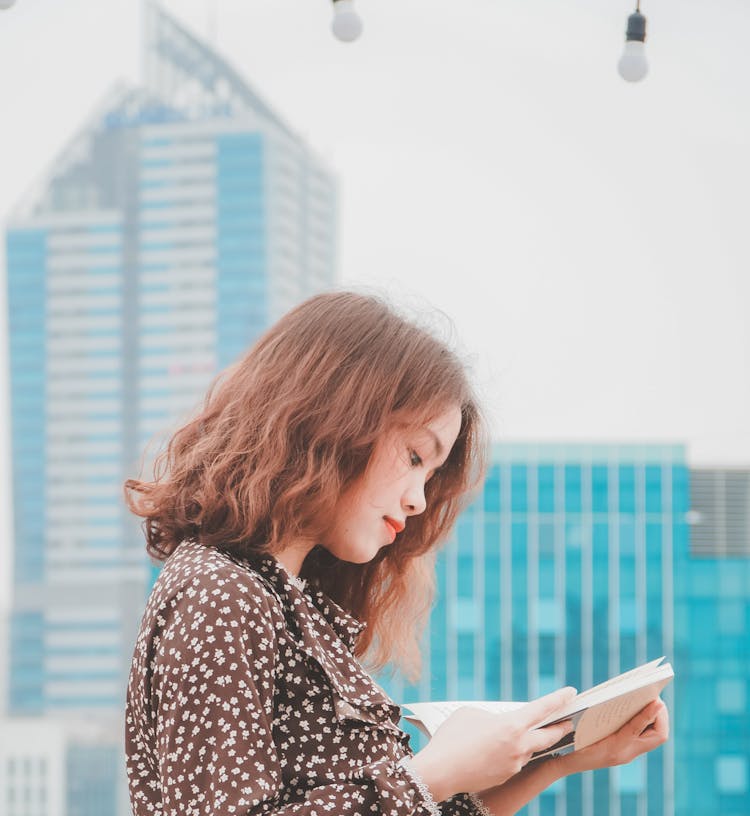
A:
x,y
550,618
468,618
573,501
731,774
546,538
731,617
629,617
731,696
548,683
630,778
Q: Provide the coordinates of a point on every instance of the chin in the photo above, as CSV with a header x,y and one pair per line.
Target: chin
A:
x,y
355,554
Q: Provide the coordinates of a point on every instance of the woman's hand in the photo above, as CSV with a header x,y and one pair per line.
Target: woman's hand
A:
x,y
647,730
474,749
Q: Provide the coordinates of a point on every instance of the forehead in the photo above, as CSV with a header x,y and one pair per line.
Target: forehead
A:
x,y
442,429
448,423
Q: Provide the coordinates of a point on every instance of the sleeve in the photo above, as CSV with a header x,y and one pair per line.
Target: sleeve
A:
x,y
457,805
464,803
212,690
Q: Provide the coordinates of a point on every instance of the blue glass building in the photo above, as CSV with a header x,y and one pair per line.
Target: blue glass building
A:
x,y
578,562
182,220
712,647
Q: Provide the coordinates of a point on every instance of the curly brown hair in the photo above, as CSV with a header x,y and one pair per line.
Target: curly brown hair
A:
x,y
290,425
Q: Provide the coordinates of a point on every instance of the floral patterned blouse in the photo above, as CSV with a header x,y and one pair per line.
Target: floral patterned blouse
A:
x,y
245,698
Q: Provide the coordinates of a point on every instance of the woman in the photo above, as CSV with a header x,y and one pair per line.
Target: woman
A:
x,y
298,516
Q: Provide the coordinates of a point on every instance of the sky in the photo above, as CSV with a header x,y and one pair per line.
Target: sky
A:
x,y
582,239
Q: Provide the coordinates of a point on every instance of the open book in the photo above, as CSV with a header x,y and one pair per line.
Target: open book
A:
x,y
596,713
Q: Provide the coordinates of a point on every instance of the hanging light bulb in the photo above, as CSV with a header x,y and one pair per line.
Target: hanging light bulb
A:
x,y
6,4
633,65
346,24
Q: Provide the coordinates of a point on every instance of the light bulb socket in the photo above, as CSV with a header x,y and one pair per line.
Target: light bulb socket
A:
x,y
636,28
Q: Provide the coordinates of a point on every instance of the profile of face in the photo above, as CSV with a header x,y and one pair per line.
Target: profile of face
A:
x,y
373,510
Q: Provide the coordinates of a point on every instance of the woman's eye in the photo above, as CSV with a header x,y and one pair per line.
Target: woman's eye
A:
x,y
414,458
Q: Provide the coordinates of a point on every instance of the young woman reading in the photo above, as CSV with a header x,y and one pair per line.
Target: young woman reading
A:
x,y
298,517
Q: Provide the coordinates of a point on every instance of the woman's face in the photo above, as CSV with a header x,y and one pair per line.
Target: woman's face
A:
x,y
371,513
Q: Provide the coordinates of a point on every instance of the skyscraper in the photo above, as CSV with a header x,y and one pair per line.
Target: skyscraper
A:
x,y
562,573
183,218
581,561
712,647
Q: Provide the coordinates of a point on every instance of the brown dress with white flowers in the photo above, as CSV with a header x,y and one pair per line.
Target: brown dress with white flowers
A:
x,y
245,698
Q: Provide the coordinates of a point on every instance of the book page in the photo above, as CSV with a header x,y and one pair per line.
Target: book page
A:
x,y
597,712
433,715
646,668
605,718
618,686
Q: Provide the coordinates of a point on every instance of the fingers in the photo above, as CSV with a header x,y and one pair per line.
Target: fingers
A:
x,y
647,730
543,707
661,723
645,718
541,738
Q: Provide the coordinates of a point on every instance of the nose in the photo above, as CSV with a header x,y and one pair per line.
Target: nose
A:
x,y
413,502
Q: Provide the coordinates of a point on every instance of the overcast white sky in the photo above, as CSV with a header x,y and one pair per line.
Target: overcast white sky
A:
x,y
588,238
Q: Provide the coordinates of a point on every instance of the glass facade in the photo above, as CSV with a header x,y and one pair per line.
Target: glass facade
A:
x,y
66,352
712,645
582,561
92,772
242,303
183,218
26,251
163,243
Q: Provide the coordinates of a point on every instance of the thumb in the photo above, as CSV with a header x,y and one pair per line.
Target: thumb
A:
x,y
544,707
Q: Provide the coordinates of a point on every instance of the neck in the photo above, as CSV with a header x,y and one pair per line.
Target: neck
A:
x,y
292,556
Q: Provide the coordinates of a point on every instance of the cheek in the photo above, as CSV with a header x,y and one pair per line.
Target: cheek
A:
x,y
348,508
390,464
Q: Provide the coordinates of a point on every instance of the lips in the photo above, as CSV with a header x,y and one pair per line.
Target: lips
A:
x,y
394,526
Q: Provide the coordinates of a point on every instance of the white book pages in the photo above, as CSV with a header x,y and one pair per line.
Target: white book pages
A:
x,y
596,713
603,719
617,687
428,717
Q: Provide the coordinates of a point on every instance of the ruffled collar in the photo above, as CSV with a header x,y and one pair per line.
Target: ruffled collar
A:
x,y
297,591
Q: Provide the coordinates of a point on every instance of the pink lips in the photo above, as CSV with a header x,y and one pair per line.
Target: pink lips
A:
x,y
394,527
